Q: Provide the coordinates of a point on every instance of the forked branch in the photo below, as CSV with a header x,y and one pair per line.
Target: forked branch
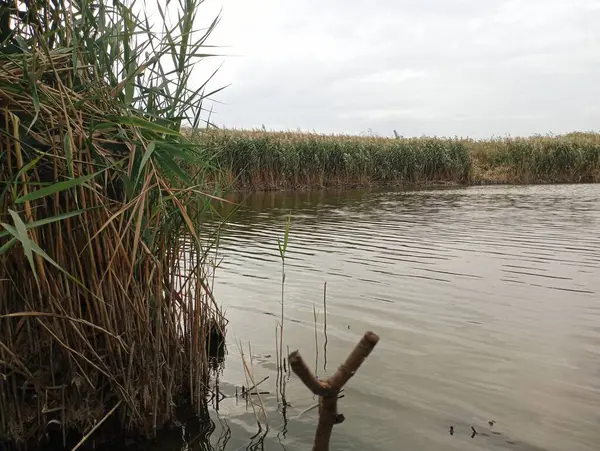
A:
x,y
328,389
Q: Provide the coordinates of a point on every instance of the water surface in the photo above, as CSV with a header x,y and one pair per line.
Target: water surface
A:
x,y
486,299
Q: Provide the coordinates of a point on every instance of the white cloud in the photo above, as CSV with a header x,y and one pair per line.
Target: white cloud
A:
x,y
461,67
383,114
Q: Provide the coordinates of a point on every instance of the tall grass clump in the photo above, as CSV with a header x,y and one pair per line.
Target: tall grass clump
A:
x,y
104,309
264,160
282,160
571,158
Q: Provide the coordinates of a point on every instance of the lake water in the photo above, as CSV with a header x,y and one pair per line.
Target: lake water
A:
x,y
486,301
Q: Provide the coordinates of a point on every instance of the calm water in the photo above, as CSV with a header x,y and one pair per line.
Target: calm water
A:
x,y
487,302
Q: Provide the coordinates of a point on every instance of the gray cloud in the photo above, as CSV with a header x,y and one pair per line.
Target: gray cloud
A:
x,y
437,67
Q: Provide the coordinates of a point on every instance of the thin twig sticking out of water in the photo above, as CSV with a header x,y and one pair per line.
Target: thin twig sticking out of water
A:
x,y
245,392
282,249
249,374
316,340
282,245
324,325
278,359
281,373
282,385
281,325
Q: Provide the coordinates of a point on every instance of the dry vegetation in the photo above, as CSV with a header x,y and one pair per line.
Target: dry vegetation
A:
x,y
283,160
99,317
572,158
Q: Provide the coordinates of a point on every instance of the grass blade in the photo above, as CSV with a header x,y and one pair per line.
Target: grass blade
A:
x,y
56,188
20,233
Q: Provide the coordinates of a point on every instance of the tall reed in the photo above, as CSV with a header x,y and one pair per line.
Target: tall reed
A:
x,y
571,158
104,309
275,160
265,160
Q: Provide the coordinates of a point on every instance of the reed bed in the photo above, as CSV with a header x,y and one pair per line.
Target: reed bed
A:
x,y
105,311
254,159
571,158
289,160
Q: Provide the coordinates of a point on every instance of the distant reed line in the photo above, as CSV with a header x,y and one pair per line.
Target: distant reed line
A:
x,y
263,160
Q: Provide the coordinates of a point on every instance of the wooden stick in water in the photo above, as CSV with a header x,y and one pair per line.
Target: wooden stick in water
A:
x,y
328,389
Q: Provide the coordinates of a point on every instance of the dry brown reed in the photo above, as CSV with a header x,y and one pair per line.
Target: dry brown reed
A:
x,y
105,311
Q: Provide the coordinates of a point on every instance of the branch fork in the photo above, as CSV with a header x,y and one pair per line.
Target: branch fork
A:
x,y
328,389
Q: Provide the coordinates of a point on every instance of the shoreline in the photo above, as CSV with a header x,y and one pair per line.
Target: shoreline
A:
x,y
398,186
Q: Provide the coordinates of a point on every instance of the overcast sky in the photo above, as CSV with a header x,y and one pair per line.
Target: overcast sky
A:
x,y
436,67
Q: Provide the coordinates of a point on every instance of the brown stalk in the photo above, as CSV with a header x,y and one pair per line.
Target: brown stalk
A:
x,y
329,389
113,330
87,436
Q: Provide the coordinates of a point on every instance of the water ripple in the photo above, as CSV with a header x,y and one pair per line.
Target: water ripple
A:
x,y
485,299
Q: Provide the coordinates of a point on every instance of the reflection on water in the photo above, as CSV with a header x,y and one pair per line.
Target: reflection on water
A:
x,y
486,300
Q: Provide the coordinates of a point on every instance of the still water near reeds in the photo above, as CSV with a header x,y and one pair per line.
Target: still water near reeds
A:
x,y
486,299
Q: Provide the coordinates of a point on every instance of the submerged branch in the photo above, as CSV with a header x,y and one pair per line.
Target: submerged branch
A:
x,y
329,388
